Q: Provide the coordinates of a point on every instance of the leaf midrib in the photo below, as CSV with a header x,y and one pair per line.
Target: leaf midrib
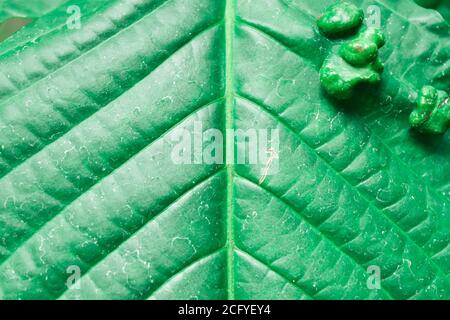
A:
x,y
230,17
230,95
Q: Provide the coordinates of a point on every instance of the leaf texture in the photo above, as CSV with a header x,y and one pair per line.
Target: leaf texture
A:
x,y
442,6
26,8
86,177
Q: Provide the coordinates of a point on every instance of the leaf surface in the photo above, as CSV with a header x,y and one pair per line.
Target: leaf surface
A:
x,y
87,177
27,8
442,6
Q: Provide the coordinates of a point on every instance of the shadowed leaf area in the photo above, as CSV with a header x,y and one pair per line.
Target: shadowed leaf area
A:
x,y
442,6
27,8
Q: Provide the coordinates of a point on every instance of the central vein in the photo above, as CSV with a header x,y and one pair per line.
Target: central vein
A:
x,y
229,124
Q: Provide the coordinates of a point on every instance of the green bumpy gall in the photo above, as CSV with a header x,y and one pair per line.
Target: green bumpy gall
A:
x,y
356,61
340,18
364,49
432,114
339,78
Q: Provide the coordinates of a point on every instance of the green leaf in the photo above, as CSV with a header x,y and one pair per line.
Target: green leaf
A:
x,y
27,8
442,6
88,181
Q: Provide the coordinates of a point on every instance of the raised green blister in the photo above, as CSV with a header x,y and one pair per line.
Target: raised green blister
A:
x,y
356,61
432,114
340,18
364,49
339,78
